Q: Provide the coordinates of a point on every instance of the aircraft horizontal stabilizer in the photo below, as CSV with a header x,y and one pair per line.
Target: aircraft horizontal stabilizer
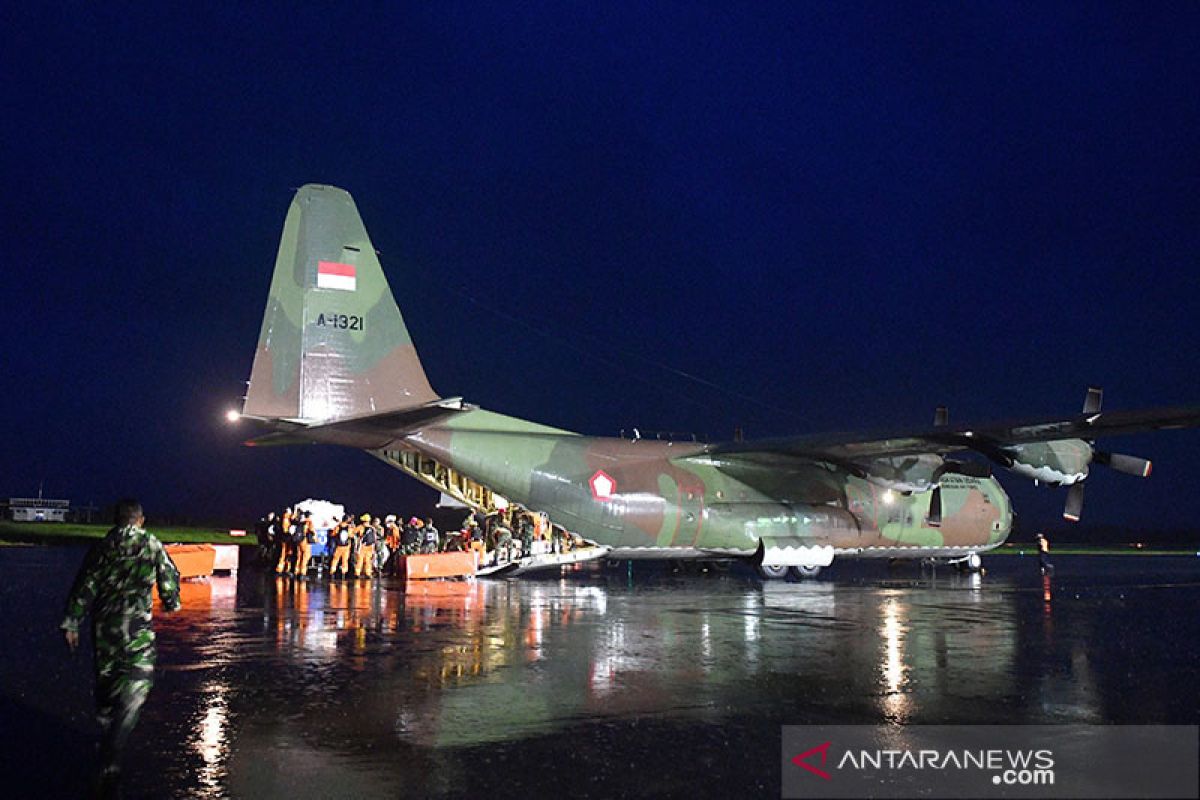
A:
x,y
370,431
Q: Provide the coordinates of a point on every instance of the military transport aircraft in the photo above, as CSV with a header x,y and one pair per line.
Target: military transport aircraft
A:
x,y
335,365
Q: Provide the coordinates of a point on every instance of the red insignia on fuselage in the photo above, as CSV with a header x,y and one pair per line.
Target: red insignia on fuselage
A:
x,y
603,486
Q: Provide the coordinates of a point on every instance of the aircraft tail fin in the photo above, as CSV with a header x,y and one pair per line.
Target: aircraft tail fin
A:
x,y
333,343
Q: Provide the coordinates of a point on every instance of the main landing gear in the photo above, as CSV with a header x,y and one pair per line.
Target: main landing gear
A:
x,y
779,572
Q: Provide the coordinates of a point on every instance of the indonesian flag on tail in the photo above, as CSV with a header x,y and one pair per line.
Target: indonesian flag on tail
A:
x,y
332,275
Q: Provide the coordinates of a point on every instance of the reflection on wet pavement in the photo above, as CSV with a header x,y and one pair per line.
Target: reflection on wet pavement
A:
x,y
598,682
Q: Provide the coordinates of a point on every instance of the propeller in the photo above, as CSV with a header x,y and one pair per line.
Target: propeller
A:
x,y
1074,505
1008,456
1129,465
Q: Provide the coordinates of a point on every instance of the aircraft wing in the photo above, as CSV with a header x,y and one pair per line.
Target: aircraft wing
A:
x,y
847,447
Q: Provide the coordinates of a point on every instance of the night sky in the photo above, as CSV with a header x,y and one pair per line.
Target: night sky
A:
x,y
834,216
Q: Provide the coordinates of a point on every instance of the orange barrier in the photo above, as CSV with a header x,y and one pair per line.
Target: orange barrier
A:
x,y
438,590
438,565
192,560
217,592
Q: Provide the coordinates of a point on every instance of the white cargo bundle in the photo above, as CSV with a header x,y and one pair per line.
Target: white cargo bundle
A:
x,y
324,513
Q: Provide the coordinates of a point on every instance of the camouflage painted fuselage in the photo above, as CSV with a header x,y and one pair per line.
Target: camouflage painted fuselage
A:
x,y
668,499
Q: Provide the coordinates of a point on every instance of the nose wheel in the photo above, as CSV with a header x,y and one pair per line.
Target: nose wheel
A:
x,y
972,563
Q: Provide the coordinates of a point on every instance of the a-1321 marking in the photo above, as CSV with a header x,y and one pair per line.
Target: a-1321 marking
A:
x,y
346,322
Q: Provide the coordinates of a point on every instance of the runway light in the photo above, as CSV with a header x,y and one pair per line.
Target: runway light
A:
x,y
232,416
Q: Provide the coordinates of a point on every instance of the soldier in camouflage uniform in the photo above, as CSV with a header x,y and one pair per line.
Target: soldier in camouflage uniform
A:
x,y
116,583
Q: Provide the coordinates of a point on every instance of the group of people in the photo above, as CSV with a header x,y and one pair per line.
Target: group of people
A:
x,y
511,533
359,546
365,545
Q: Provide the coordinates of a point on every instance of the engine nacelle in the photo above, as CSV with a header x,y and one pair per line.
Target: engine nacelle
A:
x,y
1059,463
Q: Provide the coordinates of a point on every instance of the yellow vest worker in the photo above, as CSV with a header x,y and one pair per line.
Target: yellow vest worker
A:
x,y
304,548
340,542
285,546
364,565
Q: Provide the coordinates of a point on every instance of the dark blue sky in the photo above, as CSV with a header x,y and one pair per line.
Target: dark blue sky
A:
x,y
851,213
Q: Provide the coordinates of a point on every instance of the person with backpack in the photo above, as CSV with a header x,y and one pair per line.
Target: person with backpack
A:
x,y
391,548
368,536
411,541
524,525
380,556
500,537
285,542
303,540
391,533
265,532
340,543
475,534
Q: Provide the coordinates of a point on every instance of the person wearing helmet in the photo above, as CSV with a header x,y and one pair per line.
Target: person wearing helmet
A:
x,y
304,545
367,537
340,542
286,551
391,538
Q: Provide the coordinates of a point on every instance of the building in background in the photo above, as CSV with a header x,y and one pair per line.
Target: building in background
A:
x,y
36,509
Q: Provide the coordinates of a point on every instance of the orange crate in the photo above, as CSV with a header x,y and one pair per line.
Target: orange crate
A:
x,y
192,560
438,565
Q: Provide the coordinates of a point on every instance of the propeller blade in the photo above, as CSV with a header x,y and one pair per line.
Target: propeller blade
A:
x,y
1092,403
1130,465
941,417
1074,506
935,507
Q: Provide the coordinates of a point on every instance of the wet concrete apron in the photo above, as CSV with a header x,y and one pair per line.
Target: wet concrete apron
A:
x,y
598,683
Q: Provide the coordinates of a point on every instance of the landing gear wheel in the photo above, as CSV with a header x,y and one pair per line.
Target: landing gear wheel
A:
x,y
772,573
806,572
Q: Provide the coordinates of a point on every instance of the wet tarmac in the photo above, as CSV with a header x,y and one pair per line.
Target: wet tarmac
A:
x,y
601,682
